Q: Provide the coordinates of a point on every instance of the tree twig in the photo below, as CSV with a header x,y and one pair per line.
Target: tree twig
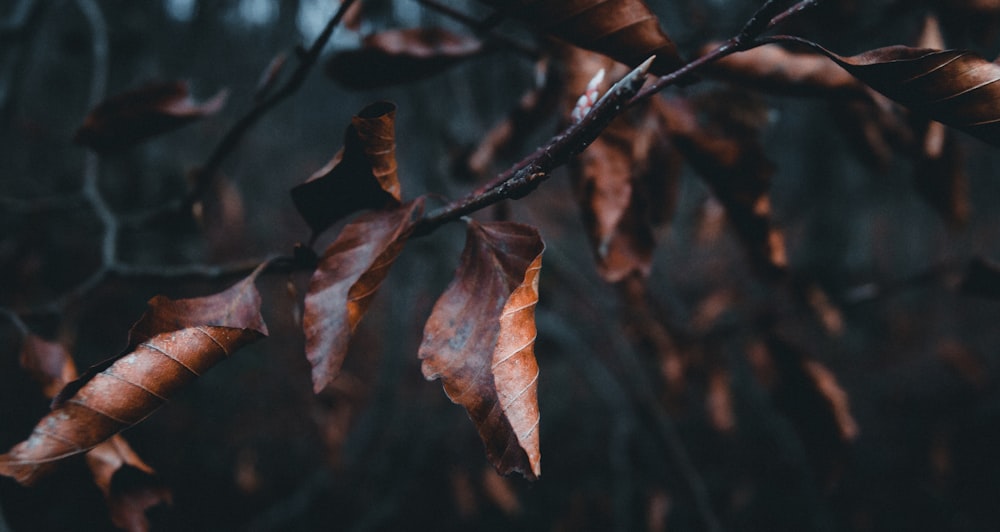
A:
x,y
206,174
555,153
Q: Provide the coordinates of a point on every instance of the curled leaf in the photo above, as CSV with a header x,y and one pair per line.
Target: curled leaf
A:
x,y
955,87
131,117
52,367
344,283
361,176
479,340
394,57
173,343
624,30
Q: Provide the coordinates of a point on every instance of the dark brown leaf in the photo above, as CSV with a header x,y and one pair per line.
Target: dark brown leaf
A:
x,y
131,117
480,338
625,30
939,175
394,57
955,87
344,283
733,163
52,367
174,342
361,176
808,394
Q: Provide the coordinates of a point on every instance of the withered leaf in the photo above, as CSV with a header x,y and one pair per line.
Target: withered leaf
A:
x,y
939,176
361,176
152,109
810,396
394,57
344,283
734,166
52,367
955,87
626,186
174,342
479,340
625,30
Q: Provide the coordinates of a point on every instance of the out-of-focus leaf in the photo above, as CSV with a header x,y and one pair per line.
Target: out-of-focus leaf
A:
x,y
394,57
173,343
222,218
345,281
940,179
732,162
361,176
480,338
808,394
52,367
131,117
625,181
625,30
774,69
269,77
956,87
982,278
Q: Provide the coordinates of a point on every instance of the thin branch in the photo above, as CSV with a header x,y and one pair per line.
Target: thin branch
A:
x,y
206,175
555,153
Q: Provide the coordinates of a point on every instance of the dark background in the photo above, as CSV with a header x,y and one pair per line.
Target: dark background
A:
x,y
249,446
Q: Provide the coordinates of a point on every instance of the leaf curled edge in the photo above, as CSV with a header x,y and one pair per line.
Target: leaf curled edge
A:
x,y
479,340
174,342
345,281
363,175
956,87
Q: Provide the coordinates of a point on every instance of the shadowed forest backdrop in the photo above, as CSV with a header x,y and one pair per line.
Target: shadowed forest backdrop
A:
x,y
846,383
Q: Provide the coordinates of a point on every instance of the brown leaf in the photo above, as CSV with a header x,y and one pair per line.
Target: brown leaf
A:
x,y
774,69
814,402
480,338
344,283
955,87
129,485
174,342
52,367
625,182
131,117
625,30
732,161
269,77
939,176
48,363
361,176
394,57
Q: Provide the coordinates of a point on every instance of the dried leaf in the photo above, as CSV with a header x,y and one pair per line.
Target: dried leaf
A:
x,y
955,87
625,30
131,117
174,342
480,338
940,179
361,176
52,367
817,406
625,181
394,57
733,163
344,283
